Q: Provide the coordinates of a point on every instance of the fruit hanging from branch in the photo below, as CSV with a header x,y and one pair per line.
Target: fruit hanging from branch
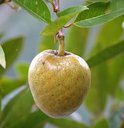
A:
x,y
58,83
59,80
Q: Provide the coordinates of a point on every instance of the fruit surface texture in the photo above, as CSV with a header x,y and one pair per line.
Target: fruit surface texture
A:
x,y
58,83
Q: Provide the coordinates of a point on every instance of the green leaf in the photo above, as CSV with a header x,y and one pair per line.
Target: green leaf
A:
x,y
17,108
96,99
106,54
109,34
12,49
8,85
95,9
108,72
37,8
47,42
71,10
94,1
109,11
22,70
53,27
76,44
116,5
66,123
34,120
102,124
2,58
120,94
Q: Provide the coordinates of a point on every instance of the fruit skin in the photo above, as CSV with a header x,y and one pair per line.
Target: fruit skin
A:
x,y
58,83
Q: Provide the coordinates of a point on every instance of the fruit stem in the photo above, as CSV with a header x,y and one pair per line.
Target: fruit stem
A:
x,y
60,34
61,50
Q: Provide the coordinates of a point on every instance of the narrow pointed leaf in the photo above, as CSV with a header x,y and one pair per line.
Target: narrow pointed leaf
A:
x,y
38,8
12,49
91,17
94,1
106,54
71,10
53,27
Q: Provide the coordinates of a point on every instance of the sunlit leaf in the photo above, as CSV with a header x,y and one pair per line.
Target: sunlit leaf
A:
x,y
95,10
53,27
72,10
2,58
38,8
12,49
109,11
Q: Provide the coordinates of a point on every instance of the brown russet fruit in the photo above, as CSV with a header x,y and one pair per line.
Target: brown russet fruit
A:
x,y
58,83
